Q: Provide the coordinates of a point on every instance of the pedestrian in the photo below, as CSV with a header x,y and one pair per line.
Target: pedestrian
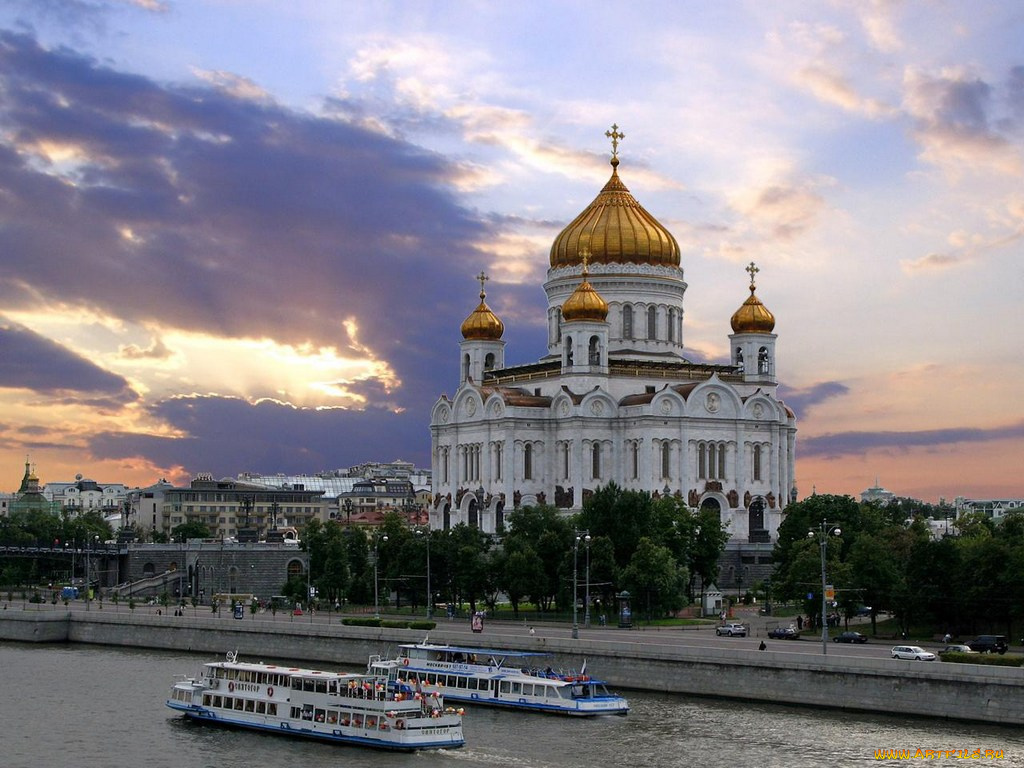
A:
x,y
762,646
532,631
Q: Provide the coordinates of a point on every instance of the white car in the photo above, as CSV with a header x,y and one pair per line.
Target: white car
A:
x,y
912,652
732,630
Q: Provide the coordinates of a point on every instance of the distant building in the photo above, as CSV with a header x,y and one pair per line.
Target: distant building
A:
x,y
30,496
85,495
227,506
994,509
877,494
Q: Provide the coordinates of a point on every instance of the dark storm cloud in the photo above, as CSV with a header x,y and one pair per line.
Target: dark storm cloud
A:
x,y
801,401
196,209
855,443
228,436
33,362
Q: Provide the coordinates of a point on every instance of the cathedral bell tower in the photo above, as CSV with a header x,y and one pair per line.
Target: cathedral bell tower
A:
x,y
482,348
752,341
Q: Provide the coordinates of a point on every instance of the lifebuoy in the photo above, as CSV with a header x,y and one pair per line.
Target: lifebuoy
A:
x,y
270,691
231,686
399,725
405,661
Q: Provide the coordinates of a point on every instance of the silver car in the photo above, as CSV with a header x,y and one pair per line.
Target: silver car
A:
x,y
912,652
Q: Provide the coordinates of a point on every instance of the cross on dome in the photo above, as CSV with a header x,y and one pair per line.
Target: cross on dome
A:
x,y
753,270
483,279
615,136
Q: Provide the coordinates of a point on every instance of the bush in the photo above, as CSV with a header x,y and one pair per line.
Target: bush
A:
x,y
359,622
984,659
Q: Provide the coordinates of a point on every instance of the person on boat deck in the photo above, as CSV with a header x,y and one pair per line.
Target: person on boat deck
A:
x,y
549,672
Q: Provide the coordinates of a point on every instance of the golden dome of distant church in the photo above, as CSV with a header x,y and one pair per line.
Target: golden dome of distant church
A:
x,y
482,324
752,316
615,228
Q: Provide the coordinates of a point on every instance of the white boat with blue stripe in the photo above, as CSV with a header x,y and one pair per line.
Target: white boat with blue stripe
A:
x,y
512,679
329,706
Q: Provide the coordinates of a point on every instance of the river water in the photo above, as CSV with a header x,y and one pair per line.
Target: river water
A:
x,y
101,707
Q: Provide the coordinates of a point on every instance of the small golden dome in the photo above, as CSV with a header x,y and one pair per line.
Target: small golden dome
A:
x,y
482,324
753,316
615,228
585,303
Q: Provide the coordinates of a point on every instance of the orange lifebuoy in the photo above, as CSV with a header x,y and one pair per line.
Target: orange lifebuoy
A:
x,y
231,686
405,661
399,725
270,691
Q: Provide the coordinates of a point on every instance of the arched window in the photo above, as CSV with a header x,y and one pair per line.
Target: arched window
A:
x,y
489,361
295,569
636,459
739,358
666,461
721,463
627,322
652,323
558,324
763,361
757,462
702,461
527,462
465,368
713,506
565,461
497,461
712,460
595,461
444,465
446,517
474,513
595,351
672,324
756,515
568,350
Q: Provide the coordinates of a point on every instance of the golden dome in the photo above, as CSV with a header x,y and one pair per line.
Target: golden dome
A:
x,y
482,324
585,303
615,229
753,316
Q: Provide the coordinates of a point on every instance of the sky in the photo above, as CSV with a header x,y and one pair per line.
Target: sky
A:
x,y
241,235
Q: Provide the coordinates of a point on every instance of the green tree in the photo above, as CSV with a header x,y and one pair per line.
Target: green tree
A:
x,y
654,577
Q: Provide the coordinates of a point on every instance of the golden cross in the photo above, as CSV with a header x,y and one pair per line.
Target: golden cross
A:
x,y
482,278
585,253
614,135
753,270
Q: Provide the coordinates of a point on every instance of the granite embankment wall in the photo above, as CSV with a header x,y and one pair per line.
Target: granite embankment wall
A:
x,y
960,691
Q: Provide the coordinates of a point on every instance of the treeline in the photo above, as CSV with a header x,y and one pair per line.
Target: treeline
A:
x,y
887,557
39,528
623,540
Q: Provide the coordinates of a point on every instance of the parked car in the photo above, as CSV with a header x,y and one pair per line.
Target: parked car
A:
x,y
912,652
957,648
849,637
732,630
784,633
989,644
864,610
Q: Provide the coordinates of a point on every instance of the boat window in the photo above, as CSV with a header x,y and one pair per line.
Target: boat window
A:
x,y
527,689
505,686
239,703
517,687
321,715
272,709
250,705
296,713
332,716
461,682
556,693
217,701
261,707
321,686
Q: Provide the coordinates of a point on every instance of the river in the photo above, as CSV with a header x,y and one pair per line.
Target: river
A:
x,y
102,707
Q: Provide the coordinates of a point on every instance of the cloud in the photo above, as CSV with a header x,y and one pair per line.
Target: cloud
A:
x,y
42,365
227,436
957,121
840,444
802,401
197,209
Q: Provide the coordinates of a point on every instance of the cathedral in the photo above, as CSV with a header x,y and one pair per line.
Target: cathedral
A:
x,y
615,399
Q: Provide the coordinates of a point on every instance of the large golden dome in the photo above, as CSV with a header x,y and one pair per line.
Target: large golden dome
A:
x,y
585,303
615,229
482,324
753,316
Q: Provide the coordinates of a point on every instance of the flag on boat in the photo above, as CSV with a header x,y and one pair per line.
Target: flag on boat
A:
x,y
583,669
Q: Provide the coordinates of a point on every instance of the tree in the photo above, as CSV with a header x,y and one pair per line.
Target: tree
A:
x,y
191,529
654,576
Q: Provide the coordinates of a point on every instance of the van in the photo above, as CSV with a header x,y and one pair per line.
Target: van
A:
x,y
989,644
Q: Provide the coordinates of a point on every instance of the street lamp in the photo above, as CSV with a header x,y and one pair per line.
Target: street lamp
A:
x,y
575,579
376,559
430,600
824,531
586,604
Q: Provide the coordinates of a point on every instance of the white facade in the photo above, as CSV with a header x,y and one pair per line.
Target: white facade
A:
x,y
615,399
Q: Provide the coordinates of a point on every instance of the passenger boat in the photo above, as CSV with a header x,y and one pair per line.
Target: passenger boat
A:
x,y
346,708
513,679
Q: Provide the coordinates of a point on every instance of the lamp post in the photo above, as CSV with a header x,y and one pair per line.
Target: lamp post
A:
x,y
586,591
430,595
575,569
348,511
376,559
824,531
